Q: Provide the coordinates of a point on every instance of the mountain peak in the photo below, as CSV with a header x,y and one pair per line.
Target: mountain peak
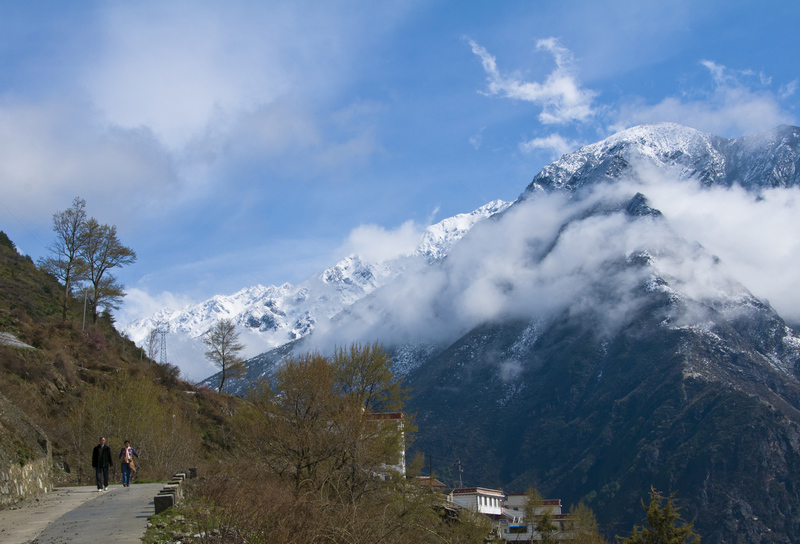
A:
x,y
684,151
639,206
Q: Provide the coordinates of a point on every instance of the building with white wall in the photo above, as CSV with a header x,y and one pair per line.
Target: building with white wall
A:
x,y
479,499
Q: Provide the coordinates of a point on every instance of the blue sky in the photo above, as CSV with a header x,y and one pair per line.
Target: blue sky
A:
x,y
237,143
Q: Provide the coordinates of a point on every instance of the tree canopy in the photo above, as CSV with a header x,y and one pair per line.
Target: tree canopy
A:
x,y
101,251
322,423
86,251
325,436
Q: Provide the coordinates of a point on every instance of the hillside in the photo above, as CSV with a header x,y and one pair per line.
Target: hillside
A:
x,y
75,385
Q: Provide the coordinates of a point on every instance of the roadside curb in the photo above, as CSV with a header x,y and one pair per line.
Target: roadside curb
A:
x,y
172,493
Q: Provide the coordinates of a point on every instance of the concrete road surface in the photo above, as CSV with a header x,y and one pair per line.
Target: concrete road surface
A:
x,y
81,515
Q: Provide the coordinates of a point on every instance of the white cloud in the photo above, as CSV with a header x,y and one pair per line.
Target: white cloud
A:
x,y
477,139
731,109
752,235
187,69
555,143
139,303
175,67
375,244
511,267
547,255
175,101
788,90
53,151
560,96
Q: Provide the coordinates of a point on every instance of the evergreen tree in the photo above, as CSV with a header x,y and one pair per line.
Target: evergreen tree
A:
x,y
582,526
663,518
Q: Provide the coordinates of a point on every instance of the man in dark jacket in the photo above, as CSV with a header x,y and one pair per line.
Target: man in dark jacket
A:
x,y
101,461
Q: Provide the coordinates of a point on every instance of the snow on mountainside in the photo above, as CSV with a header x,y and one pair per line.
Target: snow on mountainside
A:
x,y
765,160
440,238
559,242
282,314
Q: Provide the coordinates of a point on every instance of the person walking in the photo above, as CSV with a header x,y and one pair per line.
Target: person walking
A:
x,y
127,453
101,461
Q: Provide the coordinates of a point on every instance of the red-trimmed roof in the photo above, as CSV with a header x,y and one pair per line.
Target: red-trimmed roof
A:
x,y
482,490
426,481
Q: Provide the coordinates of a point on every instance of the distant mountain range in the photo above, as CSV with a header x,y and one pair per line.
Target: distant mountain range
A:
x,y
578,343
276,315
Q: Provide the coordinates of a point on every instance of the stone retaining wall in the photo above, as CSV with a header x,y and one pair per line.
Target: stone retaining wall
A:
x,y
26,459
22,482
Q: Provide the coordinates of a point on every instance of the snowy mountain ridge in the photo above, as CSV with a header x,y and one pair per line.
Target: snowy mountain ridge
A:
x,y
284,313
491,272
760,161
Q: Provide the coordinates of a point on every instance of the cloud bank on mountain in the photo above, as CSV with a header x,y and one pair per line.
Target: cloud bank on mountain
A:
x,y
560,254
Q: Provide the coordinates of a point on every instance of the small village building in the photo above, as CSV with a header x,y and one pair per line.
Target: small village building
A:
x,y
488,502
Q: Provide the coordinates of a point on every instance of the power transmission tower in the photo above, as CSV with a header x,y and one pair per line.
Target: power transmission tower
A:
x,y
163,329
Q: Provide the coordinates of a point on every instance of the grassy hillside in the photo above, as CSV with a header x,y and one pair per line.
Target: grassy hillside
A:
x,y
78,384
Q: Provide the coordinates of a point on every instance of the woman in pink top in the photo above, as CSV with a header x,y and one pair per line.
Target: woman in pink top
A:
x,y
127,453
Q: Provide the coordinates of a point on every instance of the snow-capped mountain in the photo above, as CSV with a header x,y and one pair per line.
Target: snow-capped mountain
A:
x,y
761,161
586,342
280,314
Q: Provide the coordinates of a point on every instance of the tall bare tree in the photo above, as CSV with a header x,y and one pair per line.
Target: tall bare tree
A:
x,y
65,261
222,341
101,250
152,344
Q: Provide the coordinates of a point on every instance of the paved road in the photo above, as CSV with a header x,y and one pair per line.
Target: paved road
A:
x,y
81,515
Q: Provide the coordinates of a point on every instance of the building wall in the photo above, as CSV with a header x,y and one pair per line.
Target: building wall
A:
x,y
483,501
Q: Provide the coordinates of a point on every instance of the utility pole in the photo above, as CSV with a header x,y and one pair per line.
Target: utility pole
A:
x,y
430,480
460,472
85,291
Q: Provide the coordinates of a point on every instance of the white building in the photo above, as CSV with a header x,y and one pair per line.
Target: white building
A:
x,y
479,499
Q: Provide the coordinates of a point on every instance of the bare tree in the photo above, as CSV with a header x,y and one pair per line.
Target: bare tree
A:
x,y
66,262
153,343
103,251
223,345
